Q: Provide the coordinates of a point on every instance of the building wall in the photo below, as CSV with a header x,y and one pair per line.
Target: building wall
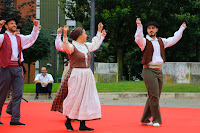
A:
x,y
49,15
32,73
26,8
49,21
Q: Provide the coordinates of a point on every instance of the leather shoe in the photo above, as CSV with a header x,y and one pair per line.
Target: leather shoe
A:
x,y
85,129
17,124
9,113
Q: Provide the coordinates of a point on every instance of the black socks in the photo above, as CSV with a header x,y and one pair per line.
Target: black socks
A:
x,y
68,125
84,128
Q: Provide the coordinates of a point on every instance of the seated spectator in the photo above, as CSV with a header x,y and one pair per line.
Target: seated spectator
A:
x,y
43,83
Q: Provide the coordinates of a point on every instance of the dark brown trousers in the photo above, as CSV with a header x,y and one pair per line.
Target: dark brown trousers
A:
x,y
153,80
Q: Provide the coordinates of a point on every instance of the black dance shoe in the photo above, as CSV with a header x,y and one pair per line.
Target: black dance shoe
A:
x,y
10,113
17,124
49,97
83,128
68,125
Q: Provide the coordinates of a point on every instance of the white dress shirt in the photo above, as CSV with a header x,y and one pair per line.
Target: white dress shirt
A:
x,y
46,78
26,42
96,43
168,42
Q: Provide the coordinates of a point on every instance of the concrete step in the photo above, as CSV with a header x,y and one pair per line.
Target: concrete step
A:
x,y
122,95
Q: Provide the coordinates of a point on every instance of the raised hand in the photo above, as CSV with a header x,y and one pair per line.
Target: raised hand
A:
x,y
59,31
35,22
40,27
2,22
104,33
65,39
66,28
100,27
184,25
138,21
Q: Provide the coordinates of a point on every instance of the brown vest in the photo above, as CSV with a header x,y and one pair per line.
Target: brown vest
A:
x,y
77,59
148,51
6,50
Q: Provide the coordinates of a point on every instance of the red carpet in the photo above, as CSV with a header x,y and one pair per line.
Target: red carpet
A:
x,y
115,119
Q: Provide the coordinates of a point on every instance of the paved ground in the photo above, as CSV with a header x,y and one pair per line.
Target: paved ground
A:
x,y
165,102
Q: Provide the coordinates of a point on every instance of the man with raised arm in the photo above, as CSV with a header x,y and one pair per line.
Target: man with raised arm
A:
x,y
11,46
153,49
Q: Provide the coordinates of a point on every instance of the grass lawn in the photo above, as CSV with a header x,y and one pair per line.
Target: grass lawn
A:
x,y
128,86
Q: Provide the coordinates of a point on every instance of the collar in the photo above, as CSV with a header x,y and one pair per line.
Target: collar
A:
x,y
9,33
77,43
151,39
43,76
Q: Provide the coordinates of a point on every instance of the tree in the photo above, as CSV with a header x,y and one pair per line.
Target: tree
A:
x,y
118,17
40,50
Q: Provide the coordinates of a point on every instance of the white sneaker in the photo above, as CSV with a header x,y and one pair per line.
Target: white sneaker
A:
x,y
156,124
148,124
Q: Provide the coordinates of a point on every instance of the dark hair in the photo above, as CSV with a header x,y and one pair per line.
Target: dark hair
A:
x,y
75,33
3,30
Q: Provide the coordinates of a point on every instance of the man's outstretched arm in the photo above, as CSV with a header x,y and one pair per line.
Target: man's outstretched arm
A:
x,y
168,42
27,40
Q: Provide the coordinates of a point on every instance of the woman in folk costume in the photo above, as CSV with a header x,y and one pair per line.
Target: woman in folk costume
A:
x,y
82,101
63,88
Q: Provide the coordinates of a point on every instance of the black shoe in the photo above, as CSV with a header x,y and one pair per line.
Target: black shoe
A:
x,y
10,113
1,123
68,125
36,97
49,97
17,124
83,128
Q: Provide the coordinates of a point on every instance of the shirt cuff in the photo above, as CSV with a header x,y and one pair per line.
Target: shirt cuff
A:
x,y
36,28
139,25
58,35
182,28
98,34
102,38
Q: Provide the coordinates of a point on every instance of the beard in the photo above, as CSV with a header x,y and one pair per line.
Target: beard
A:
x,y
152,35
13,29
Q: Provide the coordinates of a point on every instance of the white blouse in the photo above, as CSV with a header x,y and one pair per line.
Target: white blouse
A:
x,y
93,46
